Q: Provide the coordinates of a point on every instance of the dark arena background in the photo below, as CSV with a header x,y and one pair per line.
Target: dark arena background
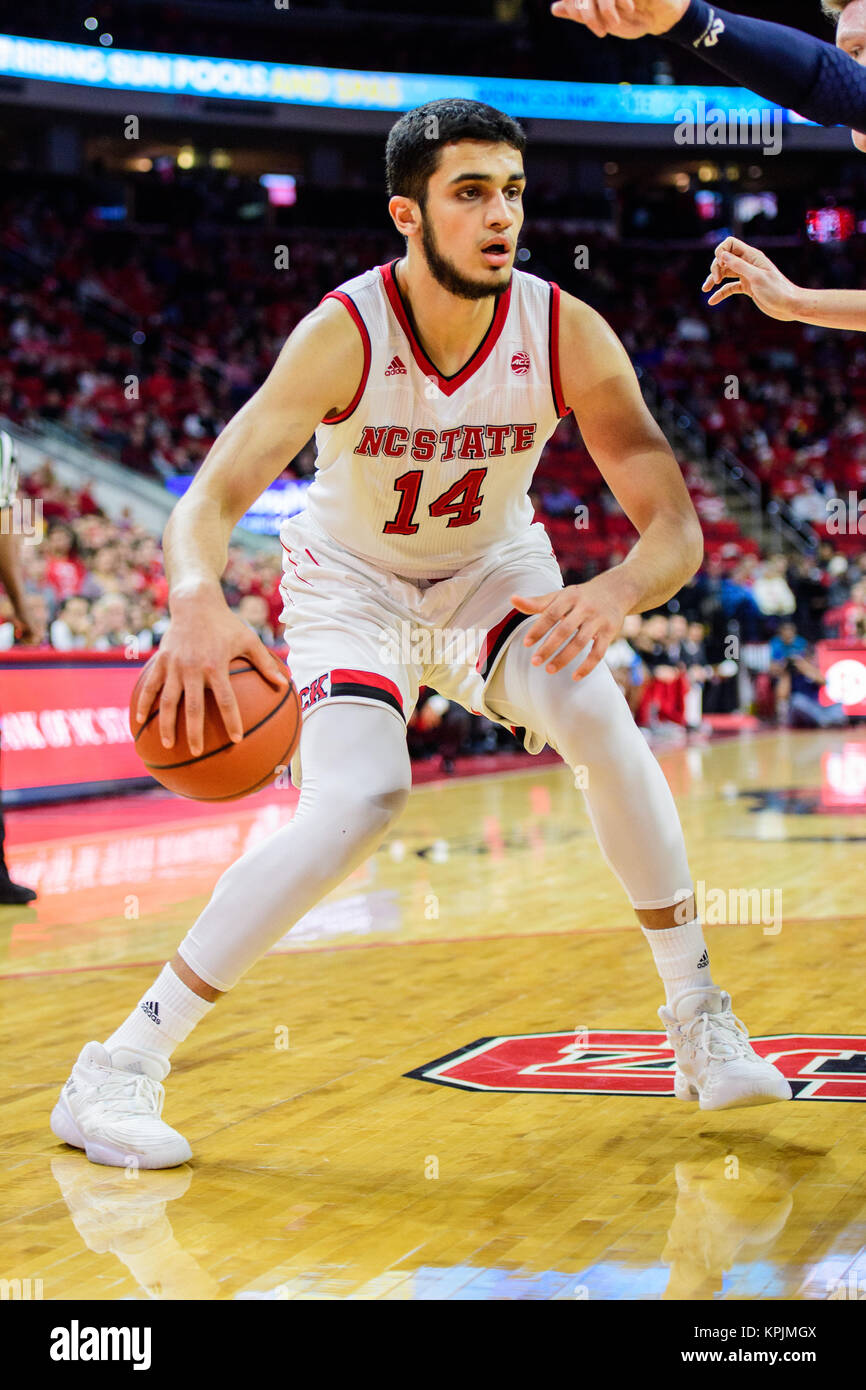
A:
x,y
448,1080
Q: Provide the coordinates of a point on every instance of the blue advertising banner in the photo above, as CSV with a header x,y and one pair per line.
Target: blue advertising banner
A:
x,y
277,502
129,70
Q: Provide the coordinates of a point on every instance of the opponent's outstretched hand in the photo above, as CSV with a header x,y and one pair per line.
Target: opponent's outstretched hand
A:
x,y
746,270
575,615
622,19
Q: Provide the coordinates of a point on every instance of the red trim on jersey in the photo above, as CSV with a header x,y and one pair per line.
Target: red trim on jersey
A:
x,y
365,339
344,676
294,564
447,384
312,556
367,685
496,639
555,380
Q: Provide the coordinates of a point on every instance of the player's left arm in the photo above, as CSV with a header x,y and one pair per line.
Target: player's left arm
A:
x,y
638,465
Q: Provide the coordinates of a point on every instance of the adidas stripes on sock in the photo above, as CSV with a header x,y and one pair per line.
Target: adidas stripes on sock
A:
x,y
163,1017
681,958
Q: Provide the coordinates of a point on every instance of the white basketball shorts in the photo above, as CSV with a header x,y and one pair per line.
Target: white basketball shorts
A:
x,y
358,632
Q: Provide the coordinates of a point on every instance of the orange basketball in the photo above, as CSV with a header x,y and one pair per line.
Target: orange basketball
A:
x,y
223,770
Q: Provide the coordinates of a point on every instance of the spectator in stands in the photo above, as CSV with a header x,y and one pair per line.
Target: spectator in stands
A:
x,y
111,628
806,581
771,590
739,604
805,684
848,619
70,630
810,503
651,643
785,646
253,610
34,567
65,570
663,694
108,574
626,665
140,630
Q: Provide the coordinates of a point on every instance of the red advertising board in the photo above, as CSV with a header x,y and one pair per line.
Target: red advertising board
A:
x,y
64,725
843,665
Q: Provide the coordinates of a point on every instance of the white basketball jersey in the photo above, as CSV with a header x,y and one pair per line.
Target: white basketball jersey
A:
x,y
421,474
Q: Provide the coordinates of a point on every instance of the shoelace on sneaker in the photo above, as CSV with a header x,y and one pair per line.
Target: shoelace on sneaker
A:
x,y
725,1030
130,1091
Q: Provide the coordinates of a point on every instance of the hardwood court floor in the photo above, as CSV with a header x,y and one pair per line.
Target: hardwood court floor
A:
x,y
322,1169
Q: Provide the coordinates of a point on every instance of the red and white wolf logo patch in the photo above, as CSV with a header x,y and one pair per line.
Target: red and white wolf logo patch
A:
x,y
819,1066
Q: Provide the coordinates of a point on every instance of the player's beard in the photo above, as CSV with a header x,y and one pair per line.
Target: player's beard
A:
x,y
446,274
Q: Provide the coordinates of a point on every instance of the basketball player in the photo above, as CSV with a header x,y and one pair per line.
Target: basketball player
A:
x,y
432,384
29,629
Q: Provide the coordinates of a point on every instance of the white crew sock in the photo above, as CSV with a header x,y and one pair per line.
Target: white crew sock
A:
x,y
681,958
163,1017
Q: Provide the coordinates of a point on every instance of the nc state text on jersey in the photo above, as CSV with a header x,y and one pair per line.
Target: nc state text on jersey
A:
x,y
461,442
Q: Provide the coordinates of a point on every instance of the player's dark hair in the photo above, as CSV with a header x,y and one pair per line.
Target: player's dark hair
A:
x,y
412,151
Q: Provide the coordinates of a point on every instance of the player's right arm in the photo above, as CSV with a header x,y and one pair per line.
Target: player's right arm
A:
x,y
316,373
738,268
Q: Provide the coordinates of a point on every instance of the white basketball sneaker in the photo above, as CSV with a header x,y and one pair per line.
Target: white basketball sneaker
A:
x,y
716,1064
111,1107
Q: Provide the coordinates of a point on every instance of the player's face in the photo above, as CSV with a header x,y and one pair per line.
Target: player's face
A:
x,y
474,203
851,36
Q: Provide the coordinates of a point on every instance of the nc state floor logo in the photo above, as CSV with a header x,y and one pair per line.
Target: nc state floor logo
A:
x,y
819,1066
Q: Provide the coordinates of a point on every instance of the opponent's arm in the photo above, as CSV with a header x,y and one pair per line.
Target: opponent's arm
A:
x,y
316,373
638,465
738,268
784,65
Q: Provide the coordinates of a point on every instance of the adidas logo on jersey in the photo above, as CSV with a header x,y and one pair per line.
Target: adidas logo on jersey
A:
x,y
395,367
704,961
152,1010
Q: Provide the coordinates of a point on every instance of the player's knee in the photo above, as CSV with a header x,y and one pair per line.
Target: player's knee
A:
x,y
588,720
371,807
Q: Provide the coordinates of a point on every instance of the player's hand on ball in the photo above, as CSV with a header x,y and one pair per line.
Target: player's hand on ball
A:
x,y
196,651
622,19
738,268
580,613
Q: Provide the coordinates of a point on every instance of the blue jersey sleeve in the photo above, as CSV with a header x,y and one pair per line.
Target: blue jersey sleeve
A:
x,y
784,65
